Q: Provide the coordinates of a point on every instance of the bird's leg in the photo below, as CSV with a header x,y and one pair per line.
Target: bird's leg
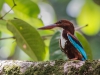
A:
x,y
75,58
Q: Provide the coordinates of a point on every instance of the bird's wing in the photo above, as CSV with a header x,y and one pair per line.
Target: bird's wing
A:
x,y
77,45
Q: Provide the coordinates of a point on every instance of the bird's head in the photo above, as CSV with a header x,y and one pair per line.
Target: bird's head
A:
x,y
64,24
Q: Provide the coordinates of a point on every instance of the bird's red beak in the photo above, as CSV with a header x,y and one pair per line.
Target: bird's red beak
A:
x,y
48,27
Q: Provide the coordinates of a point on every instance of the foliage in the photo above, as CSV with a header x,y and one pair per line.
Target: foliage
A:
x,y
28,39
93,21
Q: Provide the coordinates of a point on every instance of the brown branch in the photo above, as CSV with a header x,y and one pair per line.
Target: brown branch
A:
x,y
57,67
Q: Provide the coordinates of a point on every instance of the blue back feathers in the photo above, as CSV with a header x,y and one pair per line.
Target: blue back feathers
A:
x,y
77,45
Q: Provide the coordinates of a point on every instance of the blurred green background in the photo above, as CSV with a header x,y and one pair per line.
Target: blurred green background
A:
x,y
43,12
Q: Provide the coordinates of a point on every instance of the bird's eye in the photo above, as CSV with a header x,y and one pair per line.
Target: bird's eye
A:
x,y
60,21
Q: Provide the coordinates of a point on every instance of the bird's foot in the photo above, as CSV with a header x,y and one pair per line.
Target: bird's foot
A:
x,y
74,59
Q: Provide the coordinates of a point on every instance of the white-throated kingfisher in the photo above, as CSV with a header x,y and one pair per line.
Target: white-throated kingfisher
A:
x,y
68,42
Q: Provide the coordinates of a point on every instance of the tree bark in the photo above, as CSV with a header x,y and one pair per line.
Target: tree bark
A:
x,y
57,67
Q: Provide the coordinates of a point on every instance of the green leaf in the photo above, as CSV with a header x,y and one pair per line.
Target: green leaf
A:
x,y
28,39
90,14
55,51
27,10
85,44
1,4
3,27
25,7
7,46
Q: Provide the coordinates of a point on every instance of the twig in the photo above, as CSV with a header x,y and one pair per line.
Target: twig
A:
x,y
7,38
9,10
77,28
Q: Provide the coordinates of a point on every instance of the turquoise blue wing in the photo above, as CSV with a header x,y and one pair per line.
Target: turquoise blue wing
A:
x,y
77,45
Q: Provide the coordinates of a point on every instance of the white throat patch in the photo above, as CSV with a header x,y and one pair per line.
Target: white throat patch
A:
x,y
63,40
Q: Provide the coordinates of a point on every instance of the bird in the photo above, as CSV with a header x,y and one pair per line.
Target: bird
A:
x,y
69,44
